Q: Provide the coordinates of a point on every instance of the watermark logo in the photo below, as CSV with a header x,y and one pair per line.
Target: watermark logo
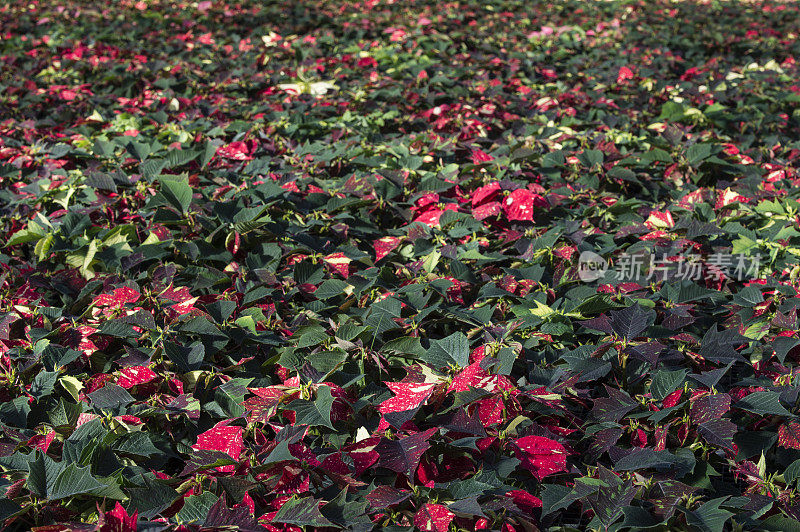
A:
x,y
692,267
591,266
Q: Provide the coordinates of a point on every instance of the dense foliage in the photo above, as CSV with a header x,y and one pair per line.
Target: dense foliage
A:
x,y
323,265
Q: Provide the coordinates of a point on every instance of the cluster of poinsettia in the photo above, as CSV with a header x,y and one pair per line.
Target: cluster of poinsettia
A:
x,y
487,201
317,266
293,466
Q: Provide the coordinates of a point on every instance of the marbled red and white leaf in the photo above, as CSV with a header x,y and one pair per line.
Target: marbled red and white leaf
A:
x,y
385,245
433,518
521,203
789,435
133,375
222,437
541,456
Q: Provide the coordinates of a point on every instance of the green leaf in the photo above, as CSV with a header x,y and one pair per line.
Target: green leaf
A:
x,y
430,261
763,403
209,150
152,168
138,151
792,473
8,508
110,488
23,237
644,458
101,181
779,523
53,480
451,350
187,358
103,148
591,158
110,396
15,412
316,412
302,512
196,507
280,453
44,383
665,382
345,513
137,444
119,329
556,497
632,321
709,517
73,480
152,498
327,361
697,153
177,158
380,316
86,265
782,345
177,193
609,501
405,345
42,472
202,326
330,288
311,336
749,296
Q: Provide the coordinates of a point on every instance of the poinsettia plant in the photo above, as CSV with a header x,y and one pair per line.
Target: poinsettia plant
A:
x,y
399,266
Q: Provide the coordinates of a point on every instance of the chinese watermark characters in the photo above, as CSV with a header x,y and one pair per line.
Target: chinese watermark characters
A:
x,y
688,266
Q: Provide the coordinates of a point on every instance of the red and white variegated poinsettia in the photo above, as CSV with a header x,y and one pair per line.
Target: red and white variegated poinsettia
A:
x,y
117,520
111,304
135,375
264,405
521,204
479,157
660,220
184,301
339,263
433,518
222,437
728,197
485,201
385,245
409,394
541,456
237,151
625,74
428,209
117,298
